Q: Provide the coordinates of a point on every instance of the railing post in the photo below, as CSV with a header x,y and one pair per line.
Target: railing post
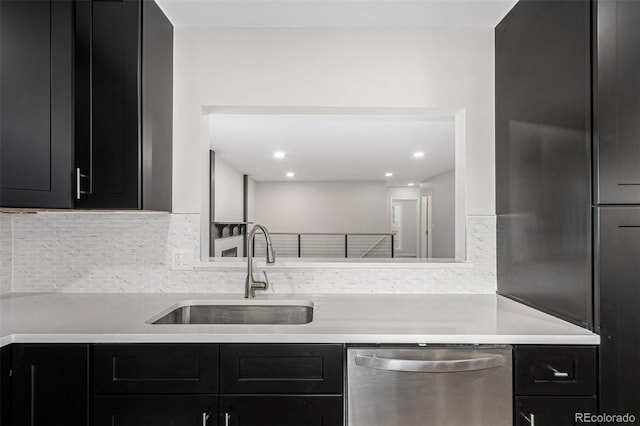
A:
x,y
392,254
299,247
346,246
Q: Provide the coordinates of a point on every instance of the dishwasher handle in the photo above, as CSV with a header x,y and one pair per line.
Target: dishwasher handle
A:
x,y
423,366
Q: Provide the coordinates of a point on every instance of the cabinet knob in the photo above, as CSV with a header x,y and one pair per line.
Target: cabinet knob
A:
x,y
205,419
530,418
558,373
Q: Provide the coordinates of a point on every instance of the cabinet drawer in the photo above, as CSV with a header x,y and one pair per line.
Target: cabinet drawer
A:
x,y
552,411
285,410
555,370
164,410
155,368
281,368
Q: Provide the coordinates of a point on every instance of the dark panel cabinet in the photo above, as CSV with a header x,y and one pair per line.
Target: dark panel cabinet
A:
x,y
5,385
555,370
543,160
617,282
36,127
281,410
553,411
155,368
617,106
166,410
281,368
49,385
124,96
87,95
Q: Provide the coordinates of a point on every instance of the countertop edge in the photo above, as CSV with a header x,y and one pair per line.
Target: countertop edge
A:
x,y
453,339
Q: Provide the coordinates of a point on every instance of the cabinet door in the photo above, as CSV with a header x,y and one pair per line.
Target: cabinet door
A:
x,y
617,285
617,107
543,156
36,127
5,385
552,411
108,134
166,410
281,410
49,385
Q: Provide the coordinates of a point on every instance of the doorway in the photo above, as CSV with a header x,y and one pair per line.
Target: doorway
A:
x,y
426,226
404,227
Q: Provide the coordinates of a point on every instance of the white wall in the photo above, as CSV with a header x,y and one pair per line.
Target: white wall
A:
x,y
445,68
442,189
355,207
229,192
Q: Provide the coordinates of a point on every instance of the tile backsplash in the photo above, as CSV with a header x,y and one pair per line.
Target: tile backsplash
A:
x,y
6,253
131,252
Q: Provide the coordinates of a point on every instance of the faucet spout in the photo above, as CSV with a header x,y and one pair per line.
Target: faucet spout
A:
x,y
251,284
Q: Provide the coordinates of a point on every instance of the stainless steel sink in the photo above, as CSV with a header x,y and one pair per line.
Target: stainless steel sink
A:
x,y
237,312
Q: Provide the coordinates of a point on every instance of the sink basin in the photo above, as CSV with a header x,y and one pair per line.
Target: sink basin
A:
x,y
237,312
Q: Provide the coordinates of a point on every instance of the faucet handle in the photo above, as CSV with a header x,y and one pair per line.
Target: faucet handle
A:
x,y
266,281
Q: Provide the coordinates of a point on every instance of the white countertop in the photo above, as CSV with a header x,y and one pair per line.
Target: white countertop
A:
x,y
335,263
346,318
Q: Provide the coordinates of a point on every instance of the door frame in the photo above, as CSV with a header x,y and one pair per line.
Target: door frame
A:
x,y
426,225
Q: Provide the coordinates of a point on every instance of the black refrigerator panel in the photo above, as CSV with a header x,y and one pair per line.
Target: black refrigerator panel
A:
x,y
617,106
617,286
543,157
36,103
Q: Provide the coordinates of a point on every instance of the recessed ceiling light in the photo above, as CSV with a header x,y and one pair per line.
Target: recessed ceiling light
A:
x,y
279,154
290,174
411,184
418,154
388,174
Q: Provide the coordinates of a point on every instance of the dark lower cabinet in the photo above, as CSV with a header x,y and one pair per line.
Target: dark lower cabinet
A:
x,y
281,410
156,410
49,385
617,265
553,411
5,385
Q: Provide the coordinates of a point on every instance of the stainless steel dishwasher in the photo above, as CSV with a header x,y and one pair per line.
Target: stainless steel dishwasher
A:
x,y
429,386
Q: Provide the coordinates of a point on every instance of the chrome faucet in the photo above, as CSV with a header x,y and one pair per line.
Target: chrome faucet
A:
x,y
250,284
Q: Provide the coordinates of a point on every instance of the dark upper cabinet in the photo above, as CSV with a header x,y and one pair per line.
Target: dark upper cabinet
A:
x,y
36,123
87,91
617,106
49,385
124,82
617,285
543,156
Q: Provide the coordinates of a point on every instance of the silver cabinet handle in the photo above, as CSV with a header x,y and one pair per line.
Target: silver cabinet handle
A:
x,y
79,177
205,419
441,366
530,418
557,373
227,419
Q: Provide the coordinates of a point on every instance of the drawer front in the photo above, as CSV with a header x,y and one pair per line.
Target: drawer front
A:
x,y
155,368
553,411
289,410
555,370
158,410
281,368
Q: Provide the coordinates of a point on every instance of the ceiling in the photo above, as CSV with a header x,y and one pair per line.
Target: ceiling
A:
x,y
338,147
336,13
